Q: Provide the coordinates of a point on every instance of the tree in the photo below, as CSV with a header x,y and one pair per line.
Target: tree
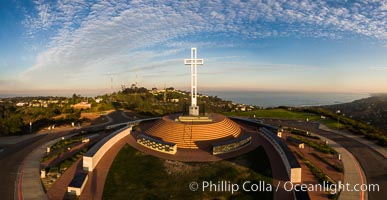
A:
x,y
11,125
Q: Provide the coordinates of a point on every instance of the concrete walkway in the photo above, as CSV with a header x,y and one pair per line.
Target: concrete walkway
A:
x,y
278,168
372,163
96,182
29,184
381,150
353,174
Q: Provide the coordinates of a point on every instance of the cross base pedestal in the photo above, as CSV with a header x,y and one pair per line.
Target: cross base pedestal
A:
x,y
194,110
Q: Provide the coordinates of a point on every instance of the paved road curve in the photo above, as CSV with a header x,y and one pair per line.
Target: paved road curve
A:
x,y
13,155
373,164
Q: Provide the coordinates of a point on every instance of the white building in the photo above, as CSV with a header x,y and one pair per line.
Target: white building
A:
x,y
21,104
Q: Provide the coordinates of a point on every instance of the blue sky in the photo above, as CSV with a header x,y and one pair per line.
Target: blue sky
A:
x,y
72,46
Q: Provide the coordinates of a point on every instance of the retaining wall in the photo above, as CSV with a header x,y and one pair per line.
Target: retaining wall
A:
x,y
271,134
293,168
94,155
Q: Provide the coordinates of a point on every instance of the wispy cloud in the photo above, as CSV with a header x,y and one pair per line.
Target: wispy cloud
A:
x,y
384,69
268,67
104,36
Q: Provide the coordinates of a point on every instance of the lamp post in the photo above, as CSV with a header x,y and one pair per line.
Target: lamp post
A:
x,y
338,123
30,126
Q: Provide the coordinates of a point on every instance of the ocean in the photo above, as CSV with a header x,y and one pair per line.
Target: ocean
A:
x,y
262,99
275,99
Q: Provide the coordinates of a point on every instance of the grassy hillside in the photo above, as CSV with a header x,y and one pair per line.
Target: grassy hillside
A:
x,y
134,175
333,120
278,113
372,110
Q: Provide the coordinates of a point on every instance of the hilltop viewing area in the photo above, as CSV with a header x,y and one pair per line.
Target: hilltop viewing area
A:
x,y
238,143
193,100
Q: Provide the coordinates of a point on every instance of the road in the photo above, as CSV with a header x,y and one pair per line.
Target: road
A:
x,y
373,164
13,157
14,154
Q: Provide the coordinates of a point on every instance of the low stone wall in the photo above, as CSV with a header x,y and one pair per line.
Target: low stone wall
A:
x,y
257,123
231,146
295,142
130,123
271,134
77,184
193,119
293,168
94,155
157,145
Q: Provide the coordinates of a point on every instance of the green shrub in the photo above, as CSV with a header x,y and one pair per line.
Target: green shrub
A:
x,y
320,175
382,141
302,133
336,167
322,147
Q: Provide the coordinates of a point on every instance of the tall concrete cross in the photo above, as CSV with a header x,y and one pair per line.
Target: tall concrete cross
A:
x,y
194,62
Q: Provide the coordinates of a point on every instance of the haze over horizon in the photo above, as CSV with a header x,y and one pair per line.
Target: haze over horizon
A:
x,y
297,45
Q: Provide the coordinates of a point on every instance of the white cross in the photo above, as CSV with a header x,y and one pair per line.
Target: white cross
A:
x,y
194,62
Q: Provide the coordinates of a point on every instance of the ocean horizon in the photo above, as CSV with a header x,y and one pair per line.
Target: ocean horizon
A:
x,y
263,99
295,99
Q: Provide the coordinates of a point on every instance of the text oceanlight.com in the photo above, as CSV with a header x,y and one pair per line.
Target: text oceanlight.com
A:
x,y
261,186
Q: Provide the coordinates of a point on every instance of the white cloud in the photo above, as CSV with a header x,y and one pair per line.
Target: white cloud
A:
x,y
383,69
112,35
268,67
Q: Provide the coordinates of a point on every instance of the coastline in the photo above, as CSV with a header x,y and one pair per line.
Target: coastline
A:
x,y
267,99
